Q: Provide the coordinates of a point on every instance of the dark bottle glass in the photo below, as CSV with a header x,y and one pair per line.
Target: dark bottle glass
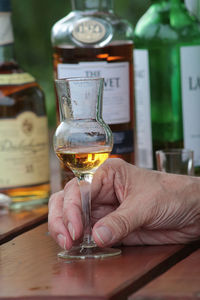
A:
x,y
24,163
167,79
91,41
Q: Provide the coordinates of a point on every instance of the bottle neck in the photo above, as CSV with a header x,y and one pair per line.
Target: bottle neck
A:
x,y
6,38
177,2
7,53
99,5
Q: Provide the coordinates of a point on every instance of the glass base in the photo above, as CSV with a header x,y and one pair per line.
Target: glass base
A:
x,y
85,253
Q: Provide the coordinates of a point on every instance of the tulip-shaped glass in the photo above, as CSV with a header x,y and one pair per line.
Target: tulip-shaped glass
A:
x,y
82,142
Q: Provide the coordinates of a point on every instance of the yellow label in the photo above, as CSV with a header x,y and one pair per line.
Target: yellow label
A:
x,y
89,31
24,151
16,78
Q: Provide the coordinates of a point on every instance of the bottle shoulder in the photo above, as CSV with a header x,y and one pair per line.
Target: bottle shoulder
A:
x,y
17,99
78,27
167,27
10,67
15,75
14,82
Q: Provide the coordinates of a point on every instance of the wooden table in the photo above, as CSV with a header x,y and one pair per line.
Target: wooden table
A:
x,y
30,268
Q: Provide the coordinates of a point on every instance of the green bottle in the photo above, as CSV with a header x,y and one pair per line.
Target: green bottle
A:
x,y
167,81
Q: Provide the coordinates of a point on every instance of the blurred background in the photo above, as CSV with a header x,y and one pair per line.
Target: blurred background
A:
x,y
32,22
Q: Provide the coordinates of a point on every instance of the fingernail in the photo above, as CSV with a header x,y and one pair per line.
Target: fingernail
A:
x,y
104,234
62,241
71,230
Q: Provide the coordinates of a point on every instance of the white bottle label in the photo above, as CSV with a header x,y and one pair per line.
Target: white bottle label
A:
x,y
190,77
116,98
6,34
24,150
143,109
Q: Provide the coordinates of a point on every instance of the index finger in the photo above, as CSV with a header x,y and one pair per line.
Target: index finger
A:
x,y
72,209
56,226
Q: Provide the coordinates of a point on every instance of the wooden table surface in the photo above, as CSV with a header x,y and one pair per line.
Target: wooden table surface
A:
x,y
30,268
182,281
29,261
16,223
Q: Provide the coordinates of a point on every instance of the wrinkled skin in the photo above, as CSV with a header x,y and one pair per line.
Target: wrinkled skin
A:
x,y
131,206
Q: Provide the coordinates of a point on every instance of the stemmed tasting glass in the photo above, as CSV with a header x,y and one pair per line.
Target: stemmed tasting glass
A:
x,y
82,142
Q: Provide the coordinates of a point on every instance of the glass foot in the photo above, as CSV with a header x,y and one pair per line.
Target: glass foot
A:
x,y
84,253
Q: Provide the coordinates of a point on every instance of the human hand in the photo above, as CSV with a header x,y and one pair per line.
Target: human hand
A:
x,y
129,205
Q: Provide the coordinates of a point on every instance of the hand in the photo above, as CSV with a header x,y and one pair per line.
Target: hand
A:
x,y
129,205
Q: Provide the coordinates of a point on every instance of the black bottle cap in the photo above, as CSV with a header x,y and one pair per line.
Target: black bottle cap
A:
x,y
5,5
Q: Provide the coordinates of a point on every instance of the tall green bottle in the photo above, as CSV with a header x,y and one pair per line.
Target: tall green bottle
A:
x,y
167,79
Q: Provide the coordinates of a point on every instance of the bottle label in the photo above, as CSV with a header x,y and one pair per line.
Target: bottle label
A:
x,y
89,31
24,151
6,33
123,142
143,109
116,98
190,77
16,79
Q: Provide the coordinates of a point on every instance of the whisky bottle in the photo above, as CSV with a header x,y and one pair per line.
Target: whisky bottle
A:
x,y
167,81
91,41
24,162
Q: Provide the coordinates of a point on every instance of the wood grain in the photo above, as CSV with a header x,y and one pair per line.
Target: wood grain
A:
x,y
30,269
16,223
181,282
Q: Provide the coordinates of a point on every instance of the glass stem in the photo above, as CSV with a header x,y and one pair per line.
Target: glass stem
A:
x,y
85,181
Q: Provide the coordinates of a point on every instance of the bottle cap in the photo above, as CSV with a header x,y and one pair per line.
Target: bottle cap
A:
x,y
5,5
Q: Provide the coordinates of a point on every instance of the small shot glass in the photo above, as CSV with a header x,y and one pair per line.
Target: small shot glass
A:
x,y
176,161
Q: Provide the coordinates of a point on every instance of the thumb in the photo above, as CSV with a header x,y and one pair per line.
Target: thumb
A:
x,y
115,226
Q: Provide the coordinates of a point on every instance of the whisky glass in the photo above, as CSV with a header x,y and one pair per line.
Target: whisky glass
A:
x,y
176,161
82,142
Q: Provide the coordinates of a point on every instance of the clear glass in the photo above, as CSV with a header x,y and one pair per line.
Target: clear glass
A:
x,y
176,161
163,30
82,142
